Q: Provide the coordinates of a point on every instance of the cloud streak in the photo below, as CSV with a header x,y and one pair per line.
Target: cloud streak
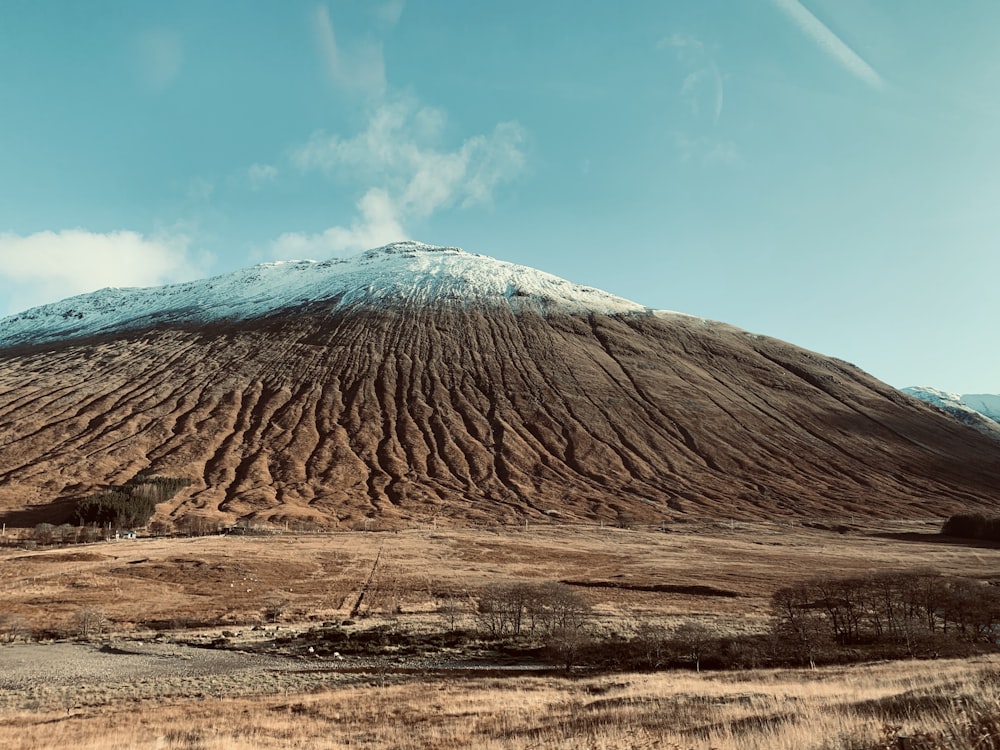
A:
x,y
48,266
830,43
697,138
361,68
159,57
389,12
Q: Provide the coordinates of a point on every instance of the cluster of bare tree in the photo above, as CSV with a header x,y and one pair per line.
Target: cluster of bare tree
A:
x,y
199,526
828,619
47,533
912,608
551,612
513,609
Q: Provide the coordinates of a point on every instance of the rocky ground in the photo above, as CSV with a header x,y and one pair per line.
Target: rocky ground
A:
x,y
83,674
78,675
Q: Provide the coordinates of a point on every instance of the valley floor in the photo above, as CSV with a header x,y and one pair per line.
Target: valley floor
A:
x,y
143,674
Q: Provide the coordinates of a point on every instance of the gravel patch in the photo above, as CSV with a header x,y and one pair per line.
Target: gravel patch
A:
x,y
74,675
39,676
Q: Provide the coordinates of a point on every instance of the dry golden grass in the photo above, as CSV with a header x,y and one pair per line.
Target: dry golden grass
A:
x,y
229,580
320,577
858,707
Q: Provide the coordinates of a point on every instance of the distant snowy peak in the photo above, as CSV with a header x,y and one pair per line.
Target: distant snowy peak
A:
x,y
936,397
984,403
977,409
403,273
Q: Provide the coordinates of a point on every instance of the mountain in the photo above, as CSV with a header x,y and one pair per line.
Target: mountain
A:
x,y
979,410
413,383
987,404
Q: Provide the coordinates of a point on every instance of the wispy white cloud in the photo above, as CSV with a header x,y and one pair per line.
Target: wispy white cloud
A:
x,y
703,87
830,43
360,67
400,168
722,152
376,224
261,174
391,11
159,57
407,174
684,43
706,151
696,136
49,266
200,189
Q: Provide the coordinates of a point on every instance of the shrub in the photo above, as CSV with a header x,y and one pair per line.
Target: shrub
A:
x,y
44,533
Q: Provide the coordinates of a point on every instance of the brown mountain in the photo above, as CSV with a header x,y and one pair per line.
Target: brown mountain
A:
x,y
414,383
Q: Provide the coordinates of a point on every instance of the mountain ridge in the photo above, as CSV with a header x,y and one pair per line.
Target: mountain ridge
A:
x,y
402,273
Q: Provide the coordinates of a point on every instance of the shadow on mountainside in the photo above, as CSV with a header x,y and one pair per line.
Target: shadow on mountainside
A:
x,y
931,538
58,512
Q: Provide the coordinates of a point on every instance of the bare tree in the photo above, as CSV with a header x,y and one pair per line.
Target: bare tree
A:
x,y
274,608
13,628
693,640
65,533
451,611
159,528
502,607
199,525
800,624
515,609
90,534
555,607
625,519
90,622
653,641
568,644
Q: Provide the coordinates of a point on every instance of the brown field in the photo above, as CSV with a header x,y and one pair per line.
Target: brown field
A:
x,y
142,681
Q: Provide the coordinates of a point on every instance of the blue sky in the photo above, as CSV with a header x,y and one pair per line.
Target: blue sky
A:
x,y
824,171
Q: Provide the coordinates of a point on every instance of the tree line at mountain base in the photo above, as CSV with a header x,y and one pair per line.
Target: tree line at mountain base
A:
x,y
973,526
130,505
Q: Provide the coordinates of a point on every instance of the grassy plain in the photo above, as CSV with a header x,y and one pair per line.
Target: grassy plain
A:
x,y
719,574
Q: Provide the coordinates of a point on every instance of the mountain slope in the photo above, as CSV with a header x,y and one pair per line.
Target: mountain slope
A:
x,y
432,395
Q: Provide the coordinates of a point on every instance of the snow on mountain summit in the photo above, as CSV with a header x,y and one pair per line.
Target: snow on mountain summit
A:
x,y
979,410
408,273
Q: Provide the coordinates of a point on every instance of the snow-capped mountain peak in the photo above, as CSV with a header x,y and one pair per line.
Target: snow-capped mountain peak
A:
x,y
979,410
402,273
985,403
